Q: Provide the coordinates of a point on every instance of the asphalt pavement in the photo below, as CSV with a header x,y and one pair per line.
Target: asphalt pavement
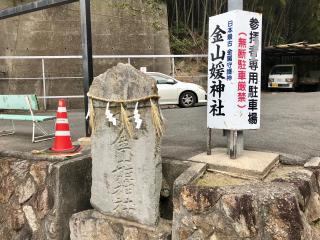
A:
x,y
290,123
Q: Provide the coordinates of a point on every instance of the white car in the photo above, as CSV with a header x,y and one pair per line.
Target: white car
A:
x,y
283,76
172,91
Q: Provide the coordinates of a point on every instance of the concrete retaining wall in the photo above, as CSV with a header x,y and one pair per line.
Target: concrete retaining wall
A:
x,y
119,28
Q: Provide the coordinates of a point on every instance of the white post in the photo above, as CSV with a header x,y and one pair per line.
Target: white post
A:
x,y
173,67
235,138
44,85
129,60
235,4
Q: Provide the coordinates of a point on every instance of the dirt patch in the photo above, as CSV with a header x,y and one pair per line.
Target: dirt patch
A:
x,y
213,179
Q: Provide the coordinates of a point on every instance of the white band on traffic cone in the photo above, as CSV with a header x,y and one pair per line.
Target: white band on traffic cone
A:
x,y
62,109
62,134
62,120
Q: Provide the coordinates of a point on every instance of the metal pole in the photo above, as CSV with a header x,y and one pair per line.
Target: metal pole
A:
x,y
235,138
209,141
129,60
173,67
235,4
44,85
233,144
86,54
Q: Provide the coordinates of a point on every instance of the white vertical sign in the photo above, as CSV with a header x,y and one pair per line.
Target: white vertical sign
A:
x,y
234,71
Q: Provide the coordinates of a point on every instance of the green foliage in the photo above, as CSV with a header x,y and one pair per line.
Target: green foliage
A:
x,y
284,21
180,46
188,23
184,41
288,21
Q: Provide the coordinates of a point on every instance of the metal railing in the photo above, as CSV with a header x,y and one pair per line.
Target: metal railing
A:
x,y
44,78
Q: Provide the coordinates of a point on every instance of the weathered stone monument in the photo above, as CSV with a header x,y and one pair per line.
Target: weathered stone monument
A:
x,y
126,162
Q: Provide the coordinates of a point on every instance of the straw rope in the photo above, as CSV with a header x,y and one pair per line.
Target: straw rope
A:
x,y
125,122
123,101
157,119
92,116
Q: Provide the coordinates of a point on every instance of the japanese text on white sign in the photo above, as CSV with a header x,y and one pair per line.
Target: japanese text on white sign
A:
x,y
234,71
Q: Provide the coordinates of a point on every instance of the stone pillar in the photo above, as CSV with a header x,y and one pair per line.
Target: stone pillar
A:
x,y
126,171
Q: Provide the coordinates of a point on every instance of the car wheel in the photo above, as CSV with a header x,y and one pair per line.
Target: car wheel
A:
x,y
187,99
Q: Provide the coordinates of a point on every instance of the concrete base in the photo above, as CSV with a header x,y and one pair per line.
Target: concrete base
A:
x,y
250,164
313,163
93,225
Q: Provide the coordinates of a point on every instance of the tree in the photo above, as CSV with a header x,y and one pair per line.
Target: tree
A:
x,y
188,23
284,21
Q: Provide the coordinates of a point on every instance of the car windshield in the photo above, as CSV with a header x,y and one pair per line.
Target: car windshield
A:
x,y
282,70
161,79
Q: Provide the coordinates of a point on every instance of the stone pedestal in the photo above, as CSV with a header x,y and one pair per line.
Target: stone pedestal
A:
x,y
92,225
126,172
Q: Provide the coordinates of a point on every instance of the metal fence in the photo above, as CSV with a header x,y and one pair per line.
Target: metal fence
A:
x,y
129,58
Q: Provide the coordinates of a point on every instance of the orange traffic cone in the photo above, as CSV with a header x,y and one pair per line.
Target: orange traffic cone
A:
x,y
62,141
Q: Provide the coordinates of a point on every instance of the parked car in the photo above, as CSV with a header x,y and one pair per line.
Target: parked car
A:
x,y
283,76
172,91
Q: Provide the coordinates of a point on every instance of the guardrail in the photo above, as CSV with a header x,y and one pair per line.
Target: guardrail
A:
x,y
127,57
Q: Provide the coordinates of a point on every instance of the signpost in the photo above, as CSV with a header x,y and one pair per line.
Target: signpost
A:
x,y
234,73
235,139
235,4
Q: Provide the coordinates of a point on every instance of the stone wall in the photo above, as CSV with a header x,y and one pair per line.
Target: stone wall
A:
x,y
285,206
93,225
118,27
171,170
38,196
